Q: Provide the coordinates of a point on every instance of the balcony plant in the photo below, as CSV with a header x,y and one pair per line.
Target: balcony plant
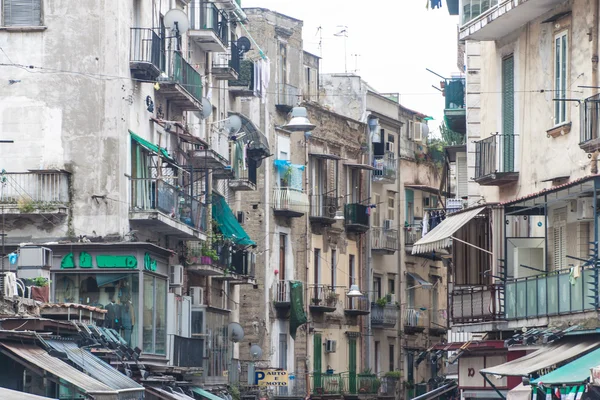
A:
x,y
382,302
393,374
332,298
208,256
40,289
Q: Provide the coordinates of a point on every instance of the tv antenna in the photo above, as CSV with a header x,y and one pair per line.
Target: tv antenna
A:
x,y
320,33
344,33
356,56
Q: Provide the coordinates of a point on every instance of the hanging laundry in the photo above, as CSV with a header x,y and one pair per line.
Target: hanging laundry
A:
x,y
265,77
436,4
425,224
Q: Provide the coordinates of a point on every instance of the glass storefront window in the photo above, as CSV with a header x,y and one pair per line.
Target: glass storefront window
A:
x,y
155,314
117,293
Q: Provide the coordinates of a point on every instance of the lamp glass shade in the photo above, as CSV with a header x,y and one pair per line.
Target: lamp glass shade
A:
x,y
354,292
299,121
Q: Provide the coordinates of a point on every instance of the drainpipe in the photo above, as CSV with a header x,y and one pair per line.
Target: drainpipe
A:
x,y
594,39
368,245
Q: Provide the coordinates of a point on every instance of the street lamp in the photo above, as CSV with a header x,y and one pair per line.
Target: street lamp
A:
x,y
299,121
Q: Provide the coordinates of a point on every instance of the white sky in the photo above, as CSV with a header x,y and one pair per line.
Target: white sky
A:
x,y
396,41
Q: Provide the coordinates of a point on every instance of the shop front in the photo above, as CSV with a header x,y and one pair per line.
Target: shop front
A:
x,y
128,280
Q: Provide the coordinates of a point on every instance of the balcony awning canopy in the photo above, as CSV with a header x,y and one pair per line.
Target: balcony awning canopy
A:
x,y
428,189
418,280
441,236
359,166
435,393
206,394
325,156
228,223
161,151
7,394
258,144
577,371
547,356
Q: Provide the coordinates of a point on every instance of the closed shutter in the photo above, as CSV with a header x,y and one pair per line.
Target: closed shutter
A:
x,y
22,12
461,175
317,349
559,238
507,157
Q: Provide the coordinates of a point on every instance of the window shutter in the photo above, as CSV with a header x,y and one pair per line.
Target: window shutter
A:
x,y
22,12
559,238
508,115
461,175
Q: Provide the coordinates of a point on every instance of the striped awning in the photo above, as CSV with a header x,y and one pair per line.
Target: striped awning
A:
x,y
440,237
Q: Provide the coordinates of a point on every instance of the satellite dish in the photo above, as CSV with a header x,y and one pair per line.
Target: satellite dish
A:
x,y
176,21
255,351
206,108
233,124
235,332
243,44
424,129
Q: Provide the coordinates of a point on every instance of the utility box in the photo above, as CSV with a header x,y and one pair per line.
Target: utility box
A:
x,y
34,261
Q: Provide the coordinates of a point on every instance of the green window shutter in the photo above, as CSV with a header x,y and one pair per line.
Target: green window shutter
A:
x,y
507,138
352,365
22,12
317,353
410,200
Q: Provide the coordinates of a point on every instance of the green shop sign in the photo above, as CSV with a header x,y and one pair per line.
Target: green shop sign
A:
x,y
108,261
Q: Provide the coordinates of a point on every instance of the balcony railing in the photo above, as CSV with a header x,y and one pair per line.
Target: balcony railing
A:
x,y
385,168
243,263
323,384
384,316
287,96
289,202
35,190
412,234
590,115
549,294
454,93
205,15
158,195
384,239
182,73
243,178
475,304
474,8
188,352
357,305
495,160
356,217
282,292
389,385
323,298
365,384
414,317
323,207
146,57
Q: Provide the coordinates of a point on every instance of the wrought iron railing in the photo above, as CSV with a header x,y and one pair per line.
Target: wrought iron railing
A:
x,y
475,303
357,304
553,293
323,206
356,214
412,234
146,46
323,383
385,316
39,188
205,15
183,73
495,154
286,198
287,95
243,263
414,317
385,167
590,119
158,195
323,296
282,292
384,239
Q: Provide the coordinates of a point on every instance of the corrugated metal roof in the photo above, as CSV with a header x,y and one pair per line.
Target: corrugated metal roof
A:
x,y
71,305
7,394
41,359
96,367
551,190
165,395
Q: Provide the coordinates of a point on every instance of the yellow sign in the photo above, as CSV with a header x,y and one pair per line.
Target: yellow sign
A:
x,y
271,377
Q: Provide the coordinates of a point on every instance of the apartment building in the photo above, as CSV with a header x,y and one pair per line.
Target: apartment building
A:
x,y
115,188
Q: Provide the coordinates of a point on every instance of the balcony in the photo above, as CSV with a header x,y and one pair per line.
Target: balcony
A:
x,y
244,179
384,241
164,208
385,168
415,319
288,202
454,110
549,294
281,298
203,260
183,84
475,304
240,268
384,316
357,306
366,384
145,54
227,66
323,209
35,193
208,158
495,160
323,299
216,297
209,26
243,86
328,384
590,130
438,322
389,386
412,234
287,97
356,218
490,20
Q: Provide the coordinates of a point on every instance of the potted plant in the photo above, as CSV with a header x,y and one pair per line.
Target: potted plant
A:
x,y
286,176
40,289
382,302
332,298
208,256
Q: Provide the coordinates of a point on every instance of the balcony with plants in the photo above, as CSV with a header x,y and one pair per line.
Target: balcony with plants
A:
x,y
41,193
345,383
490,20
323,298
495,160
289,198
209,26
390,384
384,313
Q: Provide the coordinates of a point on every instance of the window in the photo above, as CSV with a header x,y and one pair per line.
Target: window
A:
x,y
376,357
391,359
391,207
282,251
410,366
333,268
561,59
377,287
22,12
410,291
155,314
351,269
283,350
507,159
317,271
391,286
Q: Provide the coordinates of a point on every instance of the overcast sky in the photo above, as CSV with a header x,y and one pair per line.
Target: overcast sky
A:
x,y
395,39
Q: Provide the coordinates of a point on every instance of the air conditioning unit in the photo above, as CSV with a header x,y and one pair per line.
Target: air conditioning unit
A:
x,y
176,275
585,208
197,294
388,224
35,256
330,346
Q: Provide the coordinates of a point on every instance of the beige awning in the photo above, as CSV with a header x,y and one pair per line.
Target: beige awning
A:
x,y
520,392
547,356
440,237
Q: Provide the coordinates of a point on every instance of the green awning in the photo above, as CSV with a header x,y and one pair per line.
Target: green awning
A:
x,y
228,223
577,371
161,151
205,394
